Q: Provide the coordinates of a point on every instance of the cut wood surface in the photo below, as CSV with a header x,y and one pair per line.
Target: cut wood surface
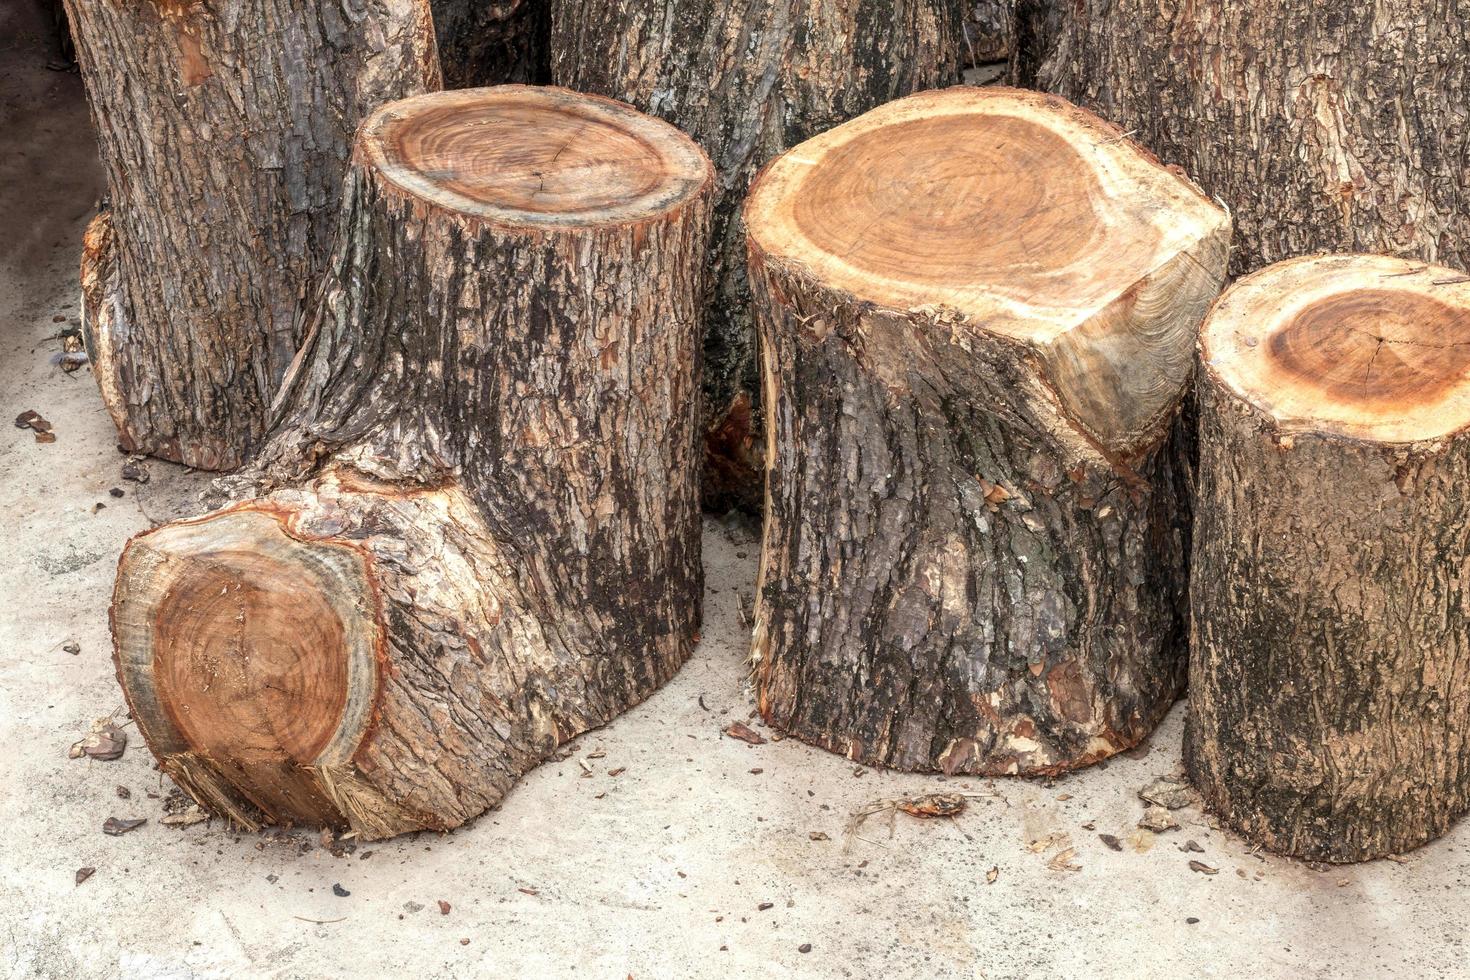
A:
x,y
225,130
747,80
478,510
1329,709
978,313
1322,126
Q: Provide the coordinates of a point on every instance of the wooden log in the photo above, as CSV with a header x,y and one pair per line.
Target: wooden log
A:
x,y
225,129
748,80
1323,127
978,309
482,535
1329,708
492,42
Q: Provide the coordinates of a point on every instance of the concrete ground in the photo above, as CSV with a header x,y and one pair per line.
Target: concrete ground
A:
x,y
696,859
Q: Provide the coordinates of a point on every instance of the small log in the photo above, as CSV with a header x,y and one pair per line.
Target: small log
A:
x,y
978,310
1329,708
749,80
482,535
224,129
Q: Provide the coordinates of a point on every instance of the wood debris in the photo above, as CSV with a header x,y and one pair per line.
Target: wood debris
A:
x,y
740,730
1157,819
1202,868
105,742
115,827
1169,792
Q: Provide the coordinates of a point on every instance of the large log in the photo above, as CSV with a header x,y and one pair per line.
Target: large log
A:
x,y
225,129
1329,700
748,80
482,534
1323,126
978,311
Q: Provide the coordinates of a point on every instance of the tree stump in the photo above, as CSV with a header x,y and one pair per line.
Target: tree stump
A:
x,y
1322,127
978,311
1329,708
482,535
748,80
225,129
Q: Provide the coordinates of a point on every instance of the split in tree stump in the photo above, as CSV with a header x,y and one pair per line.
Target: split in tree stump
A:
x,y
225,130
482,535
491,42
978,312
1329,707
748,80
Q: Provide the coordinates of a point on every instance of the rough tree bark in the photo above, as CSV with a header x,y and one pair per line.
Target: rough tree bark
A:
x,y
747,80
1329,708
225,128
978,311
482,531
491,42
1323,126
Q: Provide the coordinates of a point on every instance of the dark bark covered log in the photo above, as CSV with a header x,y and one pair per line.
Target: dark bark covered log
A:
x,y
225,128
1323,126
491,42
747,80
1329,707
978,310
482,520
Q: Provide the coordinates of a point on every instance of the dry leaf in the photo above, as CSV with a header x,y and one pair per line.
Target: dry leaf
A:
x,y
1168,792
1112,842
1203,868
191,816
817,835
114,827
1062,861
1157,819
105,742
933,805
84,873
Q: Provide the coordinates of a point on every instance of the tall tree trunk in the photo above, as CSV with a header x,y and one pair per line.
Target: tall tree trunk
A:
x,y
1329,708
1323,126
491,42
224,126
978,312
747,80
482,535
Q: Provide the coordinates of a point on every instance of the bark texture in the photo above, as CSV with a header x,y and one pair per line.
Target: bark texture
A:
x,y
225,128
748,80
1323,126
973,557
493,418
1329,709
491,42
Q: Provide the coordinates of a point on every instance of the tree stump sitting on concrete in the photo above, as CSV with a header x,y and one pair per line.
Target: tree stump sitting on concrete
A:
x,y
481,534
978,313
1329,708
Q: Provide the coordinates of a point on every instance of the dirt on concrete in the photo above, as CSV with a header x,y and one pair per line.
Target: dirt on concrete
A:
x,y
684,852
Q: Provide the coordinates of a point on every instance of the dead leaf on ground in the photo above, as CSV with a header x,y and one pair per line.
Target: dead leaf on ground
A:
x,y
188,818
740,730
1169,792
1192,845
933,805
1203,868
84,873
1062,861
1157,819
1112,842
105,742
115,827
817,835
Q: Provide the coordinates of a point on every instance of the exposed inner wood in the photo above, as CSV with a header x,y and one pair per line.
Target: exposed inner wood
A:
x,y
974,553
1365,346
533,155
1030,219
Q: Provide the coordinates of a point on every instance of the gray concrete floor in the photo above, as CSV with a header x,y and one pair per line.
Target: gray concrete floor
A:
x,y
658,871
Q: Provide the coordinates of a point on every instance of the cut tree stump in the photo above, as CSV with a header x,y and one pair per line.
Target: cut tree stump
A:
x,y
978,313
482,535
224,128
1322,126
748,80
1329,707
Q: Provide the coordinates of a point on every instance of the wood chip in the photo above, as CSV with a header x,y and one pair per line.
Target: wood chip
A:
x,y
740,730
115,827
817,835
1169,792
1157,819
1203,868
1113,843
444,907
933,805
84,873
992,874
